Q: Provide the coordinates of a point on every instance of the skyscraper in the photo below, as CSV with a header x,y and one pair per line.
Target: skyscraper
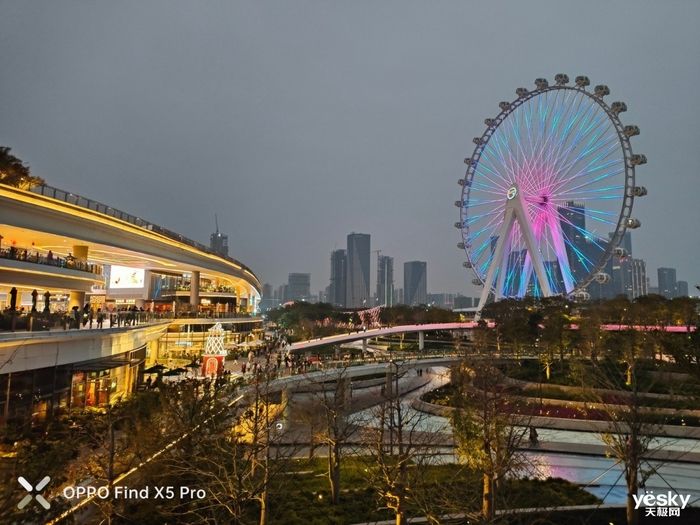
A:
x,y
268,301
299,287
573,227
339,268
667,282
639,278
385,280
415,282
357,289
681,288
218,242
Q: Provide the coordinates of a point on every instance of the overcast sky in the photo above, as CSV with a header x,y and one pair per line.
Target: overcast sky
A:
x,y
301,121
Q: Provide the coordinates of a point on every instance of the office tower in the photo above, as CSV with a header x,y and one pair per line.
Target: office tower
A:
x,y
218,242
554,276
463,302
622,278
415,282
573,228
385,280
639,278
667,282
299,286
626,243
283,293
357,288
267,302
682,289
596,289
442,300
622,268
338,285
399,296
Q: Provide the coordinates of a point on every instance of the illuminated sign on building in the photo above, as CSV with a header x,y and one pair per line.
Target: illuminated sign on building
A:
x,y
123,277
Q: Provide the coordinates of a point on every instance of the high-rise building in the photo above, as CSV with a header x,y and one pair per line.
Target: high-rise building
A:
x,y
398,296
339,272
681,288
385,280
442,300
218,242
596,289
267,302
357,288
299,287
667,282
415,282
573,228
283,293
622,280
460,301
639,278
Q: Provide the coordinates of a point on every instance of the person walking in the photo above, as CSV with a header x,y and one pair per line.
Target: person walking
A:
x,y
76,317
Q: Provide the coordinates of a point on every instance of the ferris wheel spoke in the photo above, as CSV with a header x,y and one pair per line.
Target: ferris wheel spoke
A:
x,y
589,168
482,166
591,147
561,162
595,180
548,152
508,165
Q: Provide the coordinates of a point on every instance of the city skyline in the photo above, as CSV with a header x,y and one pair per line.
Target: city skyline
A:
x,y
360,135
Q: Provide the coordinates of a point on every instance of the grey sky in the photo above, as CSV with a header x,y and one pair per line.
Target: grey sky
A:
x,y
299,122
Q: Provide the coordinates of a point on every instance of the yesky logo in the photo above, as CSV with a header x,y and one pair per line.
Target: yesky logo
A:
x,y
38,497
664,499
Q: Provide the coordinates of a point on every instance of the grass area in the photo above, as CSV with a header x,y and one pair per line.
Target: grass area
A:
x,y
444,395
304,500
572,373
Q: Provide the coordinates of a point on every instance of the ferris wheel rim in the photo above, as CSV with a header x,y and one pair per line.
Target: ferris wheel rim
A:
x,y
626,199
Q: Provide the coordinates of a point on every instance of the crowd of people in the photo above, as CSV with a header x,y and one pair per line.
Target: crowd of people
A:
x,y
70,262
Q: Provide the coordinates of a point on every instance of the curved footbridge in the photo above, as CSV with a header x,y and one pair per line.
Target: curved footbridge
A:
x,y
365,335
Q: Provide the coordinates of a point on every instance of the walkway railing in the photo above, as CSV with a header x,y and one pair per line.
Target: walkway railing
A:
x,y
19,254
84,202
39,321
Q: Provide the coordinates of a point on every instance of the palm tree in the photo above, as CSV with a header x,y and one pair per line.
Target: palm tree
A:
x,y
13,172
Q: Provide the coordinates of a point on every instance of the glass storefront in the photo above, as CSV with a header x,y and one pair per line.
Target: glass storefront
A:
x,y
35,395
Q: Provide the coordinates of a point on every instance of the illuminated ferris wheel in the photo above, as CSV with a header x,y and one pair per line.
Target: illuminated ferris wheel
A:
x,y
548,192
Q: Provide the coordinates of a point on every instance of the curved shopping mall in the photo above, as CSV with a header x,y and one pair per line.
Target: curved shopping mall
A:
x,y
91,296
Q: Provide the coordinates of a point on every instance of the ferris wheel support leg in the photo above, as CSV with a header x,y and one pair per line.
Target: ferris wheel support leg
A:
x,y
508,220
503,269
535,256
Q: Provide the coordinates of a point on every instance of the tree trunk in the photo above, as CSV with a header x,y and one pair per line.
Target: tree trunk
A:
x,y
263,508
632,489
334,473
487,498
632,516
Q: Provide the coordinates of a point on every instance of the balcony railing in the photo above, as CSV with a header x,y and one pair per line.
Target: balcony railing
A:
x,y
70,263
186,288
84,202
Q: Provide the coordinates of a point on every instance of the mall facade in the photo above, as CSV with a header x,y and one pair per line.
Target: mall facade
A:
x,y
90,296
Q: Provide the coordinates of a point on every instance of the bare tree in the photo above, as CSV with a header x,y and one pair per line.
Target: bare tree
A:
x,y
487,428
399,450
234,455
631,431
336,428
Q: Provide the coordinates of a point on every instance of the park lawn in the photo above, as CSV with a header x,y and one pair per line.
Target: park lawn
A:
x,y
304,498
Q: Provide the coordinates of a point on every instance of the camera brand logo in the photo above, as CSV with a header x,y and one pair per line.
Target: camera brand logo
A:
x,y
38,497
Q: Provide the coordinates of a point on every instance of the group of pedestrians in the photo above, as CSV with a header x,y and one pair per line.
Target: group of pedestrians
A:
x,y
91,317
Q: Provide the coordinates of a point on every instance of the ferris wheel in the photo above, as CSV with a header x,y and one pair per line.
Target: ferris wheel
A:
x,y
548,192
